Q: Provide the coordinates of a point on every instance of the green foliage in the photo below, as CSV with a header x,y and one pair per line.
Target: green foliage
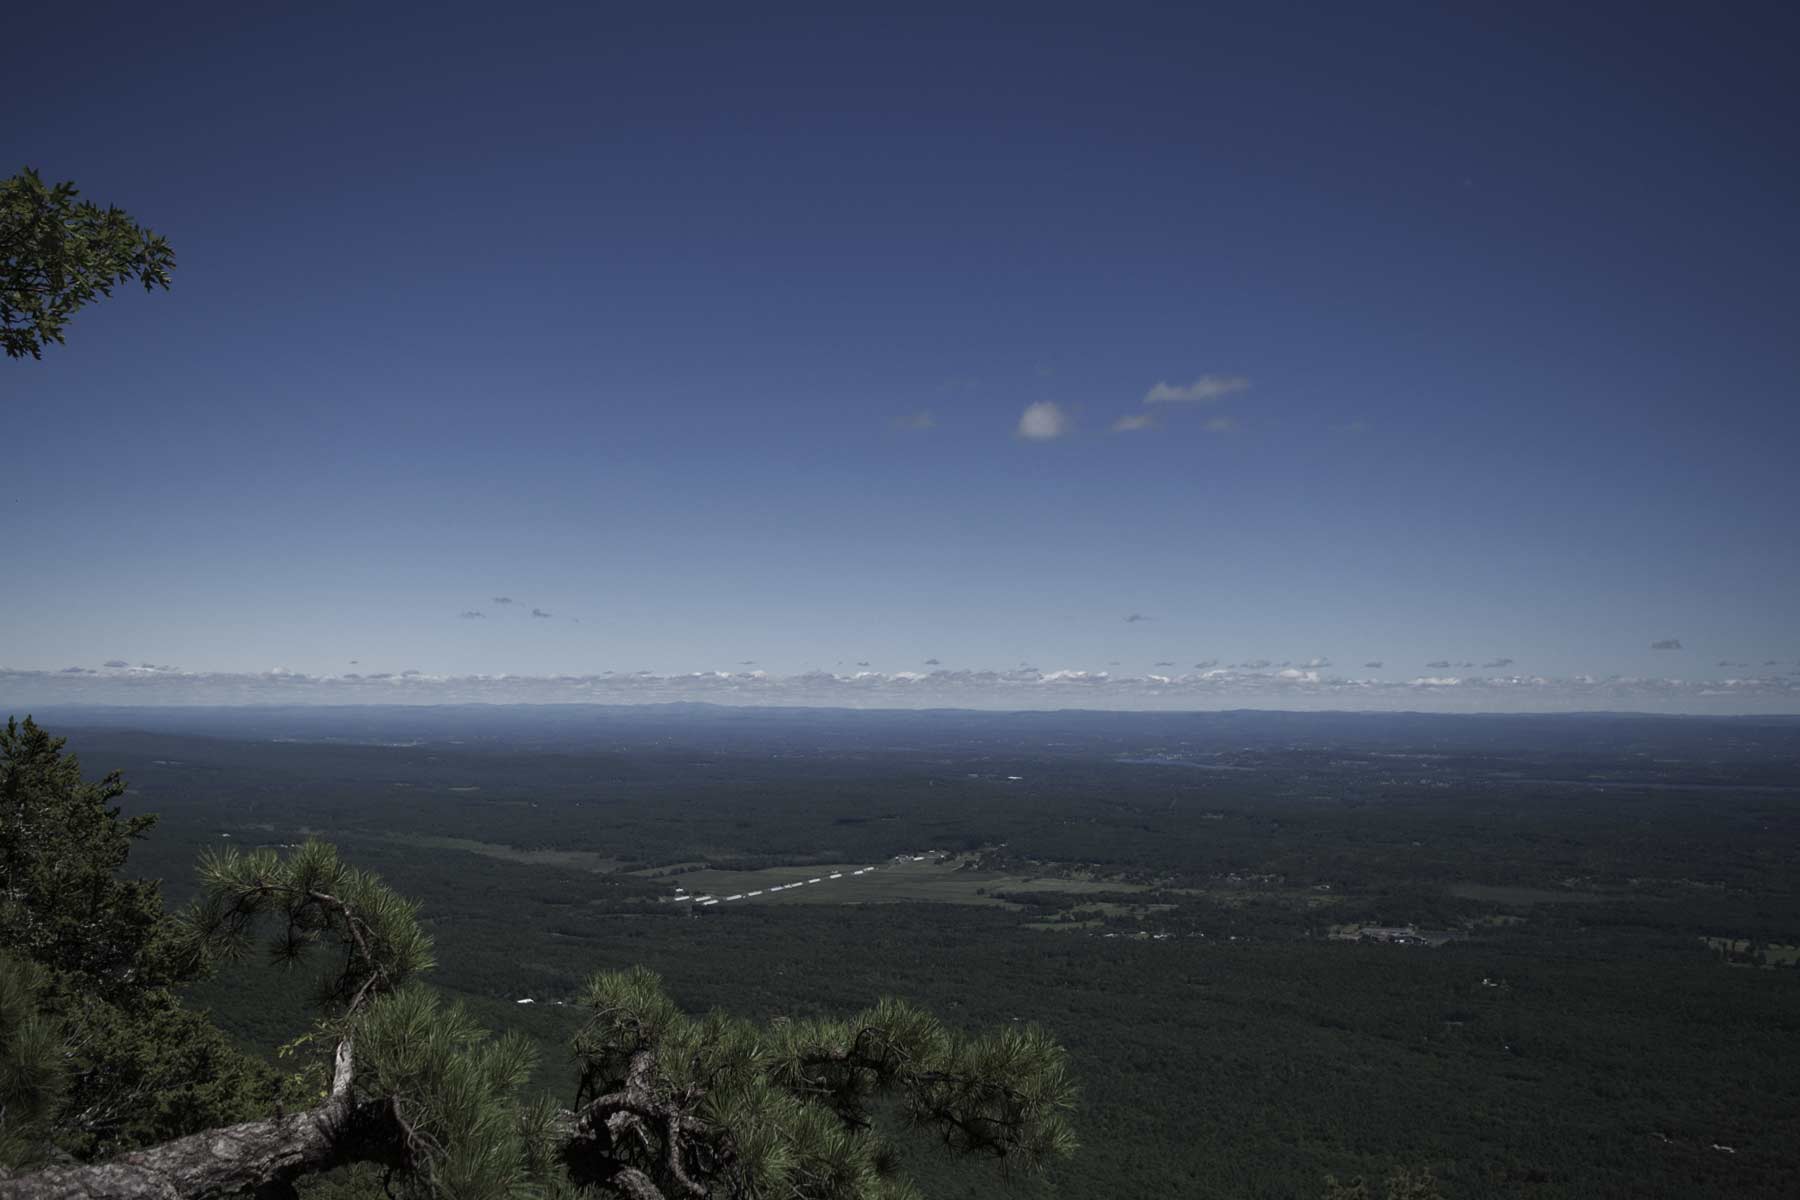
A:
x,y
320,901
454,1090
793,1108
58,253
31,1068
62,845
137,1067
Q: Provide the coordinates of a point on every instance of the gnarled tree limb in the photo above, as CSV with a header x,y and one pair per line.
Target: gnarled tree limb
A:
x,y
233,1160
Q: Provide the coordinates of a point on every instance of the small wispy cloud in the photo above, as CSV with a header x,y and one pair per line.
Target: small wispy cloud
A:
x,y
504,600
1206,664
116,663
1666,644
863,663
540,614
1043,421
471,614
1496,664
1133,422
1203,390
1165,663
1441,664
1313,664
79,671
932,662
1135,618
1375,665
916,422
1255,664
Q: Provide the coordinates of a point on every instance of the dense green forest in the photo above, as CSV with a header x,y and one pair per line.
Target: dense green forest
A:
x,y
1597,1002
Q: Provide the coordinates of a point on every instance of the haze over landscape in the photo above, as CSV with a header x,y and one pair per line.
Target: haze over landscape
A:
x,y
1392,358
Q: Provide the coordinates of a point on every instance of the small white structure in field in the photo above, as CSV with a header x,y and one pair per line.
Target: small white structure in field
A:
x,y
679,899
708,903
739,896
752,893
813,880
839,875
527,1000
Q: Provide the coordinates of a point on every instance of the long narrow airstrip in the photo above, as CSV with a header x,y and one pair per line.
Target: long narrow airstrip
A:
x,y
708,899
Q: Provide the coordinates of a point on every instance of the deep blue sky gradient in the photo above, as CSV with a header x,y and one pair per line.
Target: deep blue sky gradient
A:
x,y
629,316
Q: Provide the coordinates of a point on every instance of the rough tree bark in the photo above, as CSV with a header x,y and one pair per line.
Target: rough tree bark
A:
x,y
236,1159
266,1157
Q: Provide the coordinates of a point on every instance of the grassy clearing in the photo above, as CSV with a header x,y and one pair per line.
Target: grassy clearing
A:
x,y
582,860
887,883
1500,894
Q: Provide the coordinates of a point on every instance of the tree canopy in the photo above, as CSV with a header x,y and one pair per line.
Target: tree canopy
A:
x,y
58,253
665,1105
100,962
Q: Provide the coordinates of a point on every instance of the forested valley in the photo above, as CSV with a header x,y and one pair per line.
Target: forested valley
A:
x,y
1539,956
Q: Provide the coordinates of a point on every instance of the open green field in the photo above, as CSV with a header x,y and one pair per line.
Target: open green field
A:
x,y
889,882
581,860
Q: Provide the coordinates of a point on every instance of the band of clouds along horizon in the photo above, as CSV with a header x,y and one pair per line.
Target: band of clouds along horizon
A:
x,y
1252,683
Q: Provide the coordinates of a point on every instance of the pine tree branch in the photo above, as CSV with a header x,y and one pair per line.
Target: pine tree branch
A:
x,y
236,1159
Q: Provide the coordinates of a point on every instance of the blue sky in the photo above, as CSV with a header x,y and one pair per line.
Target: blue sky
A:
x,y
1397,334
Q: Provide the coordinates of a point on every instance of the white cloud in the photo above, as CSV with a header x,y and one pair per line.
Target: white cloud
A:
x,y
1019,689
1203,390
1132,422
1043,421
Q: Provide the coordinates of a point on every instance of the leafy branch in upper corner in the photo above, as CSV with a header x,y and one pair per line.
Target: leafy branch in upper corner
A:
x,y
58,253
